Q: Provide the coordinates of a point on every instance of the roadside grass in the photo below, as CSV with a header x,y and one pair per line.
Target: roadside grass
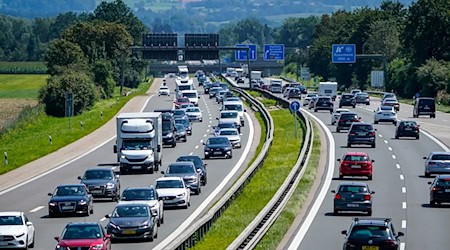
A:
x,y
266,102
11,109
276,233
281,157
21,85
28,139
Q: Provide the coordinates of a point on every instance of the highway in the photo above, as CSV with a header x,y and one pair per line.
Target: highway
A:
x,y
32,198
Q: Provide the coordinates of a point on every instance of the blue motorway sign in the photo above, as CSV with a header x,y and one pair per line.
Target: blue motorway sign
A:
x,y
273,52
295,106
241,55
343,53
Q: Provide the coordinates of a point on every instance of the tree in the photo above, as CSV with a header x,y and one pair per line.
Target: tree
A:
x,y
296,32
433,76
103,77
62,22
383,38
61,54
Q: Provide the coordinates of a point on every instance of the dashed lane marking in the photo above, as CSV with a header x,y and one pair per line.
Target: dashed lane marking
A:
x,y
201,141
34,210
403,189
394,157
385,141
103,219
380,135
403,223
402,177
196,146
397,165
204,135
390,149
404,205
402,245
207,130
191,153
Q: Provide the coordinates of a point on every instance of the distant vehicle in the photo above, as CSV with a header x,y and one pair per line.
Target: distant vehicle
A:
x,y
173,192
353,196
223,125
388,95
437,163
83,235
188,172
230,116
345,121
192,95
312,101
407,129
147,195
206,86
180,101
363,98
328,89
70,199
291,85
275,86
424,106
194,114
201,80
355,164
308,97
183,71
180,133
336,114
391,102
199,166
16,230
168,131
102,183
347,99
224,85
235,106
293,93
233,136
355,91
361,133
179,113
213,91
220,95
256,75
164,90
186,105
439,190
232,99
323,103
186,123
385,114
230,71
218,146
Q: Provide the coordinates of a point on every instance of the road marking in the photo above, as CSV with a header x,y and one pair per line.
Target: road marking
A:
x,y
204,135
209,126
196,146
403,189
380,135
403,223
103,219
385,141
207,130
210,118
443,146
402,177
191,153
34,210
402,246
390,149
394,157
397,165
404,205
210,121
201,141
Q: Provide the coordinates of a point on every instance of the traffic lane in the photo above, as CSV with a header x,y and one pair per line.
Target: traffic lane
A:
x,y
386,200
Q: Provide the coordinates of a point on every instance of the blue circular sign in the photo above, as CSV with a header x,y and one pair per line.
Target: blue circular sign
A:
x,y
295,106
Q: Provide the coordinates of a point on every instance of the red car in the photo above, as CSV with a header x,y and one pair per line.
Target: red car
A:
x,y
84,235
181,100
355,164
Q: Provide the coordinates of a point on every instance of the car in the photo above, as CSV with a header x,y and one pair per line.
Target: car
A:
x,y
336,114
186,105
385,114
437,163
352,196
168,131
147,195
186,123
164,90
223,125
312,102
180,112
303,89
206,86
308,97
194,114
188,172
232,99
233,135
290,85
255,83
362,134
363,98
132,221
347,99
240,80
218,146
323,103
407,129
199,166
201,80
180,133
345,120
16,231
83,235
230,116
294,93
355,91
213,91
192,95
227,95
173,192
286,90
220,95
70,199
102,183
236,106
181,100
391,102
355,164
372,233
388,95
424,106
440,190
265,86
223,85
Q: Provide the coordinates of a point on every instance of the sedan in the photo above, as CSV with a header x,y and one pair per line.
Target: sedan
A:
x,y
362,97
70,199
188,172
199,166
147,195
308,98
164,90
437,163
102,183
385,114
440,190
213,91
194,114
391,102
16,231
224,125
352,196
83,235
173,192
336,114
355,164
180,113
132,221
407,129
181,100
218,146
180,132
186,123
233,136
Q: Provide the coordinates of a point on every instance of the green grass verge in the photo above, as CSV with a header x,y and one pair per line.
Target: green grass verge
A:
x,y
21,86
28,140
276,233
266,102
282,156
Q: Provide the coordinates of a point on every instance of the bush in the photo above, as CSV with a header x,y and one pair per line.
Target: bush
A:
x,y
77,82
103,77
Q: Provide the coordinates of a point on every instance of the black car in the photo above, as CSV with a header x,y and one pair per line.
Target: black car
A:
x,y
240,80
102,183
213,91
180,133
363,98
179,113
440,190
199,166
132,221
218,146
361,133
186,123
70,199
424,106
347,99
187,171
371,233
294,93
407,129
345,120
168,130
225,125
323,103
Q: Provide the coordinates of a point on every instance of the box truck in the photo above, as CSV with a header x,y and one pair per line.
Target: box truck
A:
x,y
328,89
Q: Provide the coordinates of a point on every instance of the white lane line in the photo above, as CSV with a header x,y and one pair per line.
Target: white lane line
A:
x,y
403,189
385,141
204,135
390,149
380,135
209,126
210,121
404,205
207,130
295,244
34,210
402,245
394,157
402,177
201,141
442,145
210,118
196,146
397,165
403,223
191,153
103,219
194,215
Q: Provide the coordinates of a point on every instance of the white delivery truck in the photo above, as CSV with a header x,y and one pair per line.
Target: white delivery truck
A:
x,y
256,75
139,141
328,89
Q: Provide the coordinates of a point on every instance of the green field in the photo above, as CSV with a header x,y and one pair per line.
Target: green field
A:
x,y
156,6
22,68
21,86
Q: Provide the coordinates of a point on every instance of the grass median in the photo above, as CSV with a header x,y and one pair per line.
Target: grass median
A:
x,y
282,156
29,140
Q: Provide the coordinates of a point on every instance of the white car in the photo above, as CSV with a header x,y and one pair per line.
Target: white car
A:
x,y
194,114
230,116
237,106
186,105
173,192
233,136
336,114
164,90
385,114
146,195
308,98
192,95
16,231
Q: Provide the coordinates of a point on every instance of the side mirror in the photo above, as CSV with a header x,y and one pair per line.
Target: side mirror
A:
x,y
29,223
49,194
333,191
338,159
115,149
108,216
162,172
373,160
344,232
56,238
217,118
373,192
199,170
79,177
245,110
399,234
204,143
117,176
424,157
418,126
429,182
107,236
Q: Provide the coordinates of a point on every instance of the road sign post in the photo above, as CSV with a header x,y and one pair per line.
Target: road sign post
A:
x,y
69,106
241,55
343,53
273,52
294,107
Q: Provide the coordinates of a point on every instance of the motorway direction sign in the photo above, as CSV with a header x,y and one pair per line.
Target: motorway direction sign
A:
x,y
343,53
273,52
377,78
241,55
295,106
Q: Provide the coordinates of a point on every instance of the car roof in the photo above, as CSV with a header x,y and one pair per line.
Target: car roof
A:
x,y
357,153
228,129
356,184
233,103
372,221
443,176
171,178
131,204
361,123
342,110
179,163
82,224
99,169
11,213
228,111
224,137
189,156
71,185
139,188
440,153
350,112
391,99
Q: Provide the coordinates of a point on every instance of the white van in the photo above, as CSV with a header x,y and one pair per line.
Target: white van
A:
x,y
275,86
237,106
192,95
328,89
182,85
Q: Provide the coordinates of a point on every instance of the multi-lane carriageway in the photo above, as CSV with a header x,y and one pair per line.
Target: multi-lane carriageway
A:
x,y
32,198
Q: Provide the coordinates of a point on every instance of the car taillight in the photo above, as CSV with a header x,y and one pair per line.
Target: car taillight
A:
x,y
337,197
372,134
390,243
341,120
352,134
367,197
436,189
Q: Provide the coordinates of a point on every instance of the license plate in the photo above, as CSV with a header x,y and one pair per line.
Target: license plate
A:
x,y
3,243
352,205
136,167
361,133
409,129
370,248
447,190
96,191
129,231
356,166
67,207
217,153
386,114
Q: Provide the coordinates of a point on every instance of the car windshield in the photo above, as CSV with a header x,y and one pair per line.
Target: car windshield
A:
x,y
236,107
180,169
426,102
178,112
180,127
190,95
362,94
228,132
182,121
323,100
390,100
98,174
352,189
164,88
130,211
217,140
70,191
388,96
348,96
166,125
11,220
440,157
228,115
225,125
169,184
408,123
443,183
183,99
194,159
183,106
136,144
192,110
184,87
366,232
81,232
386,108
356,158
362,128
138,194
349,116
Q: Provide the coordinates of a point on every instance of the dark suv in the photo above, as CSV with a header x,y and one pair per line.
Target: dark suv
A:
x,y
323,103
361,133
371,233
407,129
424,106
347,99
439,190
345,121
102,183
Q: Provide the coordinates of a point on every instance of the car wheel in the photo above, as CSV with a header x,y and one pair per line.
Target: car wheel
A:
x,y
395,123
158,223
354,106
369,177
91,211
396,137
150,170
432,203
336,212
341,176
174,144
349,145
375,122
373,145
369,212
26,244
417,137
427,175
32,243
315,110
206,156
340,106
338,130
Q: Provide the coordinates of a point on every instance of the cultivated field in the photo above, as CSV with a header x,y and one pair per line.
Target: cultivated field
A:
x,y
11,108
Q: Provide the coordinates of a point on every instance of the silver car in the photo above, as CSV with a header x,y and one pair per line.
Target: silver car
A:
x,y
233,135
353,196
437,163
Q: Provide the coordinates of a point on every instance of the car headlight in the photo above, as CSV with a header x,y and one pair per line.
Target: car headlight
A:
x,y
52,204
227,148
113,225
122,156
20,235
181,195
58,247
110,185
169,135
82,202
145,224
97,247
